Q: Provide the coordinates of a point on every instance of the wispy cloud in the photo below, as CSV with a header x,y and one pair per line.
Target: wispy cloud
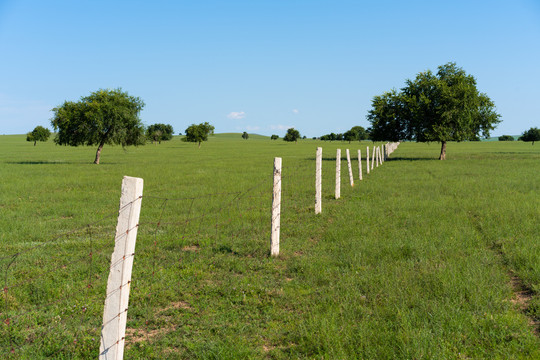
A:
x,y
280,127
236,115
295,111
252,128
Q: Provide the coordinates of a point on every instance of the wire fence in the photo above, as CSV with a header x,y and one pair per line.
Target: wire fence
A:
x,y
54,289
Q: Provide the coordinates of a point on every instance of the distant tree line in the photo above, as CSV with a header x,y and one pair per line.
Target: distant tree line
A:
x,y
112,117
356,133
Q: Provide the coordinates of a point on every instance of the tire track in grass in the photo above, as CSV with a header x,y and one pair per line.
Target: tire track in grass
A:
x,y
522,294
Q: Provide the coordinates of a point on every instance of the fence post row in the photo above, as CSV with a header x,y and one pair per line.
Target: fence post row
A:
x,y
351,180
318,181
338,174
113,330
276,209
360,164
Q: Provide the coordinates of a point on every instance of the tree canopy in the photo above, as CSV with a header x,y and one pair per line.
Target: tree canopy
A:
x,y
274,137
506,138
292,135
104,117
245,135
159,132
440,107
38,134
533,134
198,133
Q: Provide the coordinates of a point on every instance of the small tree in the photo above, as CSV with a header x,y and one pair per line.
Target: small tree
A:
x,y
292,135
274,137
350,136
38,134
198,133
245,136
533,134
506,138
360,133
159,132
103,117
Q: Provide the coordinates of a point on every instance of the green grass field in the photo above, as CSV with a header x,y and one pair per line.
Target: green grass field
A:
x,y
423,259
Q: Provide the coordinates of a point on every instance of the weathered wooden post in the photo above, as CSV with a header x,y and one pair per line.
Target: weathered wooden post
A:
x,y
377,157
318,181
360,164
276,209
113,330
367,159
373,158
351,180
338,174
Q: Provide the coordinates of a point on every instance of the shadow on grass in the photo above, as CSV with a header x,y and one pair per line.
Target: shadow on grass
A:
x,y
411,159
364,159
46,162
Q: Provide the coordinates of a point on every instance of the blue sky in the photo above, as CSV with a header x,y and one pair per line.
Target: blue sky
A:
x,y
261,65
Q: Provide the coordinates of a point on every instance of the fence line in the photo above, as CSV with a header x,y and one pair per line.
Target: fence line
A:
x,y
61,280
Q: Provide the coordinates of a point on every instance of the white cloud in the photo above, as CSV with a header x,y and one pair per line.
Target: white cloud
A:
x,y
280,127
295,111
236,115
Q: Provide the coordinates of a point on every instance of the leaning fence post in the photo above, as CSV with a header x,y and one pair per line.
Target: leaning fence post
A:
x,y
318,181
377,157
351,180
338,174
360,164
113,330
367,159
276,209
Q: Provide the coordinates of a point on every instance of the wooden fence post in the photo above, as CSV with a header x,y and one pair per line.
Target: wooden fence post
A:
x,y
113,330
377,157
360,164
276,209
373,158
367,159
338,174
351,180
318,181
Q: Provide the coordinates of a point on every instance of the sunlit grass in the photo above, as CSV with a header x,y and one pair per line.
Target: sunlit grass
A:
x,y
415,261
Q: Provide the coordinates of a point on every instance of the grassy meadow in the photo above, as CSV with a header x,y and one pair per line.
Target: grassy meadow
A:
x,y
422,259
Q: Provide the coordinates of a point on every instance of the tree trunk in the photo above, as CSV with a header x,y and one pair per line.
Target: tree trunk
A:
x,y
199,144
98,153
36,142
443,151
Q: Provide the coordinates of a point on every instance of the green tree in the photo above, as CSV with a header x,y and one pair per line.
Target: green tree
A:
x,y
292,135
506,138
198,133
360,132
440,107
349,136
38,134
245,136
159,132
104,117
533,134
274,137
